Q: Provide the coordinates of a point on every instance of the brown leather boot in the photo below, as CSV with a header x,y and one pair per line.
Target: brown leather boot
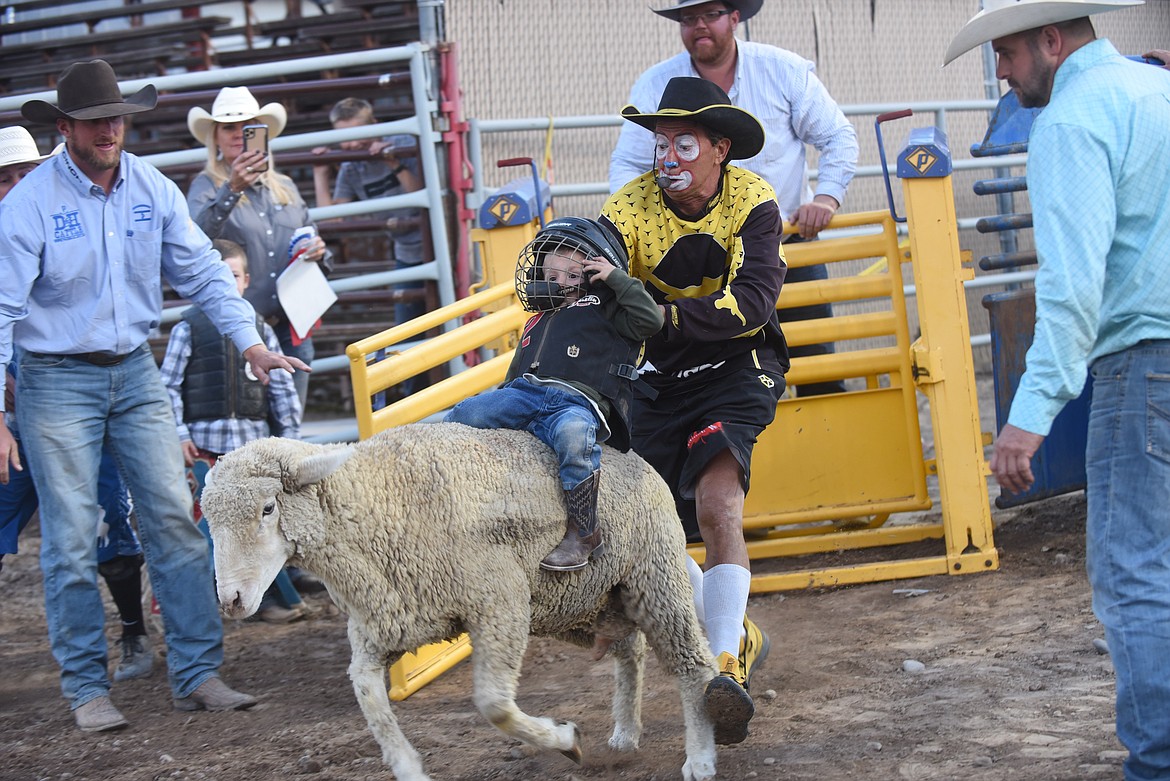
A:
x,y
583,532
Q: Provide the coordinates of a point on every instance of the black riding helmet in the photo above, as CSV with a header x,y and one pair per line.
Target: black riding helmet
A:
x,y
569,237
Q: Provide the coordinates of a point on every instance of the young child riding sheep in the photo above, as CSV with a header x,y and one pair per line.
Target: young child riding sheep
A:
x,y
571,378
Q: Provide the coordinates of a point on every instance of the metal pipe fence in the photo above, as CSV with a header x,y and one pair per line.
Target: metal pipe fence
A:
x,y
422,125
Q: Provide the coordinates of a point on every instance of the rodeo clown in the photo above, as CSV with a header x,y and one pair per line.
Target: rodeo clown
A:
x,y
570,382
704,236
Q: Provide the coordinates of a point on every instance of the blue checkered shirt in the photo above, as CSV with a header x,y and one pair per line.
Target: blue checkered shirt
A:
x,y
1099,182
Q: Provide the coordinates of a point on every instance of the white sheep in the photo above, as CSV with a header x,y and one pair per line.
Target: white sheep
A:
x,y
427,531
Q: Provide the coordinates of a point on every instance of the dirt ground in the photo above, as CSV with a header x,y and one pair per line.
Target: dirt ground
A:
x,y
1012,688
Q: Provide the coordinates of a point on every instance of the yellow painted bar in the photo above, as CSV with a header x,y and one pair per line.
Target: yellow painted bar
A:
x,y
416,670
945,369
836,289
428,401
863,326
827,539
444,347
871,573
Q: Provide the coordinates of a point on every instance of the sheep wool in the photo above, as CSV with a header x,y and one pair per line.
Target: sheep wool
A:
x,y
427,531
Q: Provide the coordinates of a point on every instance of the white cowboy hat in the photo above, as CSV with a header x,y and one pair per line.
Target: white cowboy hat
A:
x,y
235,104
17,146
1000,18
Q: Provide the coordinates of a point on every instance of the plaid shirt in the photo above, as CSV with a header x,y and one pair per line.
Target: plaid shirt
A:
x,y
227,434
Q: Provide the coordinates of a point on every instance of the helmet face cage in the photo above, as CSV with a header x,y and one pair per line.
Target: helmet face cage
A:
x,y
562,245
541,260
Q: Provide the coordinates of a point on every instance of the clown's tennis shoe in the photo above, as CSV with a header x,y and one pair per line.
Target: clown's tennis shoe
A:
x,y
728,703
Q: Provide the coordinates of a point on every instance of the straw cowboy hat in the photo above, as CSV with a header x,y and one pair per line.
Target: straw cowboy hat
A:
x,y
702,101
89,90
235,104
1000,18
747,8
17,146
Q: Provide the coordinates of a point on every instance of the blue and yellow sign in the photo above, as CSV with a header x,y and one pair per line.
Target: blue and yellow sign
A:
x,y
926,155
516,203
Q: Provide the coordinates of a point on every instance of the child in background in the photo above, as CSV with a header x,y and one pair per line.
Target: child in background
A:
x,y
219,405
382,175
571,379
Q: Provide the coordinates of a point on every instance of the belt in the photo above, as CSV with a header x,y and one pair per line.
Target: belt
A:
x,y
97,358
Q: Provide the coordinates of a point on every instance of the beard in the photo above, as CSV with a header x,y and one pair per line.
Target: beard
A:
x,y
98,159
1036,90
711,50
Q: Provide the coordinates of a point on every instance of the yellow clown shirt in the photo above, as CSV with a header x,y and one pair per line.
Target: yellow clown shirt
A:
x,y
718,273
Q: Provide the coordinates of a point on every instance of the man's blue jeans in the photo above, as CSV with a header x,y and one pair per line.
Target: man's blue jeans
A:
x,y
67,408
1128,543
562,419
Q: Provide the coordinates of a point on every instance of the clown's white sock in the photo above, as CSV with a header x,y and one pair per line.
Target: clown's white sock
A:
x,y
725,595
696,575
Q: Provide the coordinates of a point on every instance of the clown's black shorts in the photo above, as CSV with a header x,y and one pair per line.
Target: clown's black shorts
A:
x,y
696,418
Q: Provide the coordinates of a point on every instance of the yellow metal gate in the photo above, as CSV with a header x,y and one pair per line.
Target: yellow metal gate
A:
x,y
832,472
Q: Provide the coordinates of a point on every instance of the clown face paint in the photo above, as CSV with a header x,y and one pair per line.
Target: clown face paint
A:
x,y
685,147
674,182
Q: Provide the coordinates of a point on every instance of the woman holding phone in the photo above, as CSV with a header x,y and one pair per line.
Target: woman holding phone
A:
x,y
240,196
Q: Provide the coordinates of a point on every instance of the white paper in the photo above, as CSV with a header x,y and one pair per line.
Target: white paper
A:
x,y
304,293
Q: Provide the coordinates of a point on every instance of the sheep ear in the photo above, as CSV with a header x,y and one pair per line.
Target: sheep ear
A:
x,y
314,469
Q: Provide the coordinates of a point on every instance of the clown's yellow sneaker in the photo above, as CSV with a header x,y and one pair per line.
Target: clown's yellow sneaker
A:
x,y
753,649
728,703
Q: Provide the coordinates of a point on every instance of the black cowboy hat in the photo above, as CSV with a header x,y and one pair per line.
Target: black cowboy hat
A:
x,y
747,8
89,90
702,101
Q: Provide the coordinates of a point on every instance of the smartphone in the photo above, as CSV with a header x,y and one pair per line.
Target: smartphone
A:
x,y
256,137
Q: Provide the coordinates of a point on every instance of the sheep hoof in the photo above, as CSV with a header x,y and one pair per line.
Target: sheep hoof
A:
x,y
623,742
574,753
699,770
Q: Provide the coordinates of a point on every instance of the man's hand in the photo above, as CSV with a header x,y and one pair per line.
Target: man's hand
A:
x,y
1012,460
812,217
189,452
262,360
1160,54
8,451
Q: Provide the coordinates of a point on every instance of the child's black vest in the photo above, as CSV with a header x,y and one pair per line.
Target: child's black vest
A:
x,y
580,343
218,383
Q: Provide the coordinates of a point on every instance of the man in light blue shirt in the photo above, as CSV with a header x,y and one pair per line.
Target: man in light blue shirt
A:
x,y
1099,182
781,89
83,240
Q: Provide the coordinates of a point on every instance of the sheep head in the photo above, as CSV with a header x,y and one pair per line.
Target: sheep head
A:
x,y
261,507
